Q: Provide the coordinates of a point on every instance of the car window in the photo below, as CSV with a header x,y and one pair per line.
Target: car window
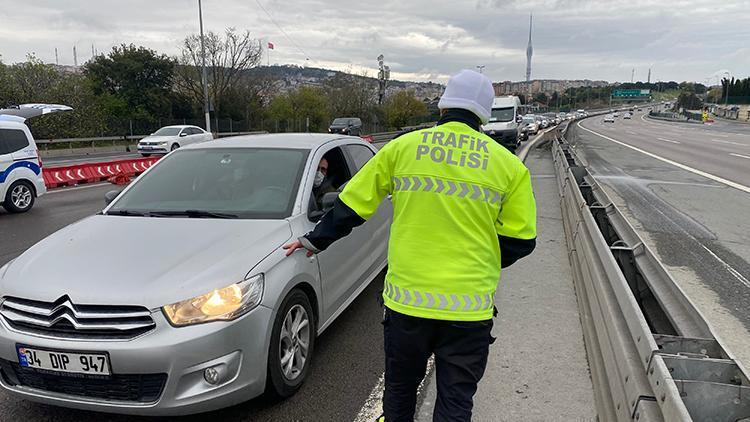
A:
x,y
252,183
167,131
360,155
12,140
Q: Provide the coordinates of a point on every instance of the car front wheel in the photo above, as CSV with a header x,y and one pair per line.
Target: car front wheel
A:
x,y
174,146
292,343
19,197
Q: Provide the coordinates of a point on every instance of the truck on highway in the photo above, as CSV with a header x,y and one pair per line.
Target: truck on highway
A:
x,y
505,122
21,180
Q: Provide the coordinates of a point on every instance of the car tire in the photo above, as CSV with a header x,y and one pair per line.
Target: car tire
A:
x,y
145,155
174,146
283,382
19,197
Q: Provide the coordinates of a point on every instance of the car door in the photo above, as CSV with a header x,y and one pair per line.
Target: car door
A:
x,y
340,266
6,159
378,226
192,136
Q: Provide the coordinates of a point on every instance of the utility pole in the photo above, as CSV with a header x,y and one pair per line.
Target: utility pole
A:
x,y
648,81
75,57
632,76
726,101
57,60
480,67
384,73
204,78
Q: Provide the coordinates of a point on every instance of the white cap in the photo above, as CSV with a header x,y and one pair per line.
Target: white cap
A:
x,y
469,90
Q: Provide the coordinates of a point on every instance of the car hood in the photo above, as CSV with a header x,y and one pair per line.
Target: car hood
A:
x,y
116,260
500,125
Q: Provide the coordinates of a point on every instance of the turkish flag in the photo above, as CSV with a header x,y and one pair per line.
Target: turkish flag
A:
x,y
270,45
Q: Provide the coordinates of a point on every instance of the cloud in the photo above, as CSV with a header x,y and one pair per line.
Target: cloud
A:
x,y
421,39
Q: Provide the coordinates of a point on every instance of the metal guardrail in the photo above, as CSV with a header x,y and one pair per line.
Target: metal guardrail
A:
x,y
45,143
653,356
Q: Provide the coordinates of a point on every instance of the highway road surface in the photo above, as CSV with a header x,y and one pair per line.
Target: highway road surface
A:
x,y
99,157
686,188
352,345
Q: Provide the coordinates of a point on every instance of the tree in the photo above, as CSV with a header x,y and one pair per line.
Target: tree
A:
x,y
351,95
402,108
227,58
541,97
689,101
291,110
132,82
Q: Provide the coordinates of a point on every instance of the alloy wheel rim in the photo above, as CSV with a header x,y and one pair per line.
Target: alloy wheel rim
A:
x,y
21,196
294,342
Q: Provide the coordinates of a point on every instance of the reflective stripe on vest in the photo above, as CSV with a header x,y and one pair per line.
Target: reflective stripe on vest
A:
x,y
445,302
447,188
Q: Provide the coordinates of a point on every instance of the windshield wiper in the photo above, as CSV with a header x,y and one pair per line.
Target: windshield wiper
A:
x,y
126,213
192,214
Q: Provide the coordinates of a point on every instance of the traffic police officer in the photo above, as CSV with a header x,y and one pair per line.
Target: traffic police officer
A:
x,y
463,208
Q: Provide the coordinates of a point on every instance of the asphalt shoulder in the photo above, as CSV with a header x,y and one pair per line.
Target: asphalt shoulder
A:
x,y
537,367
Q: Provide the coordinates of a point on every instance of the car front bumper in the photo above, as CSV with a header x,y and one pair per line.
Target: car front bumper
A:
x,y
152,149
237,349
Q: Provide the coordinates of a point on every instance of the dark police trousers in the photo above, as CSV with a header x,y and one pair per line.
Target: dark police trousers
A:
x,y
460,350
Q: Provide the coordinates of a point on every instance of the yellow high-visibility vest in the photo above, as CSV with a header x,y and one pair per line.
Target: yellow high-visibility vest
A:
x,y
454,191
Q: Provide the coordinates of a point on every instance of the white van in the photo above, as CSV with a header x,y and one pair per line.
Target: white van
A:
x,y
504,121
21,180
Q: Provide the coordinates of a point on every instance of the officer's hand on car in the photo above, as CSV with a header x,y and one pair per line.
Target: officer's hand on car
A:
x,y
291,247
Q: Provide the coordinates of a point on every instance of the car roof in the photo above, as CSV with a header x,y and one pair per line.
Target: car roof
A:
x,y
178,126
276,140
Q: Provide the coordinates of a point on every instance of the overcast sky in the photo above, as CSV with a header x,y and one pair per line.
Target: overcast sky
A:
x,y
421,39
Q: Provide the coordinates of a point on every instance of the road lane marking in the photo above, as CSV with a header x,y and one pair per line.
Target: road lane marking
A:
x,y
729,142
60,190
668,140
373,407
739,155
728,267
713,177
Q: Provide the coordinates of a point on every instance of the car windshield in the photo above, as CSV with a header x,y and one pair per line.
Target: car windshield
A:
x,y
502,114
252,183
528,120
340,121
168,131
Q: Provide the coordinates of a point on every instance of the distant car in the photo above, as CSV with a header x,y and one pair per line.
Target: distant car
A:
x,y
627,115
531,124
615,114
21,180
609,118
169,138
346,125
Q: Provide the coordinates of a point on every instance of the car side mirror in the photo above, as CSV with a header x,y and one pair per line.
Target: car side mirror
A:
x,y
183,134
110,196
519,119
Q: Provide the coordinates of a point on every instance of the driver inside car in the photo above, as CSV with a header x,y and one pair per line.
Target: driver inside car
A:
x,y
322,184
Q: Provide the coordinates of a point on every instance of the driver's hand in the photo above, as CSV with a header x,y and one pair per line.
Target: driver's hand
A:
x,y
291,247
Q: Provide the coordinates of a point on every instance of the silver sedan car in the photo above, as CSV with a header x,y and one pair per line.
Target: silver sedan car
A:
x,y
178,298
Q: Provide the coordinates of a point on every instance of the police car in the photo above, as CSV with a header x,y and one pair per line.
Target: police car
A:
x,y
21,180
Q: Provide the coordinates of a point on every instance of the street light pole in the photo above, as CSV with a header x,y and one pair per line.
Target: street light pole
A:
x,y
204,78
726,101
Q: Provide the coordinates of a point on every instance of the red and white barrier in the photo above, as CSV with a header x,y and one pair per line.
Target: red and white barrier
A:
x,y
118,171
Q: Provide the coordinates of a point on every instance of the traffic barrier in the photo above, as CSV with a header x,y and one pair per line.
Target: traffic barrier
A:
x,y
652,355
118,171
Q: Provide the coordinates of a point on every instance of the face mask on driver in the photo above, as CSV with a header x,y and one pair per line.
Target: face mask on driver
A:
x,y
319,177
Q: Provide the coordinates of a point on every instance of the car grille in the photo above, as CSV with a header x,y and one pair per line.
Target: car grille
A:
x,y
142,388
148,143
63,319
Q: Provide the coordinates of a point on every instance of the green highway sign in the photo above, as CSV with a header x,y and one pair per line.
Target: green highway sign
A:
x,y
631,93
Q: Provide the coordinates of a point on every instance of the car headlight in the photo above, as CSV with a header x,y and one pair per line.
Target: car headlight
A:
x,y
223,304
163,143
